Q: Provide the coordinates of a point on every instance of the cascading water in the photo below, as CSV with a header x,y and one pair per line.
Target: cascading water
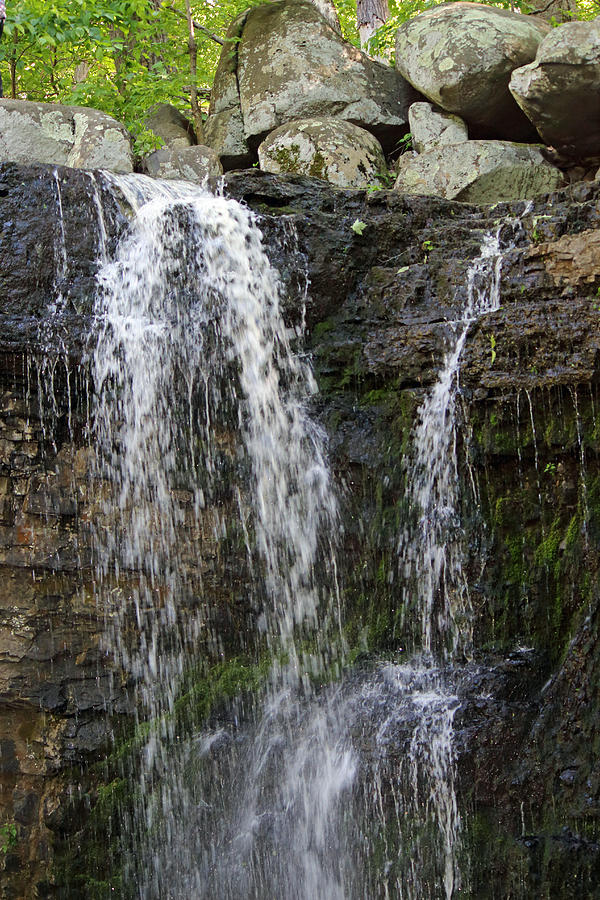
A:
x,y
341,792
190,308
431,553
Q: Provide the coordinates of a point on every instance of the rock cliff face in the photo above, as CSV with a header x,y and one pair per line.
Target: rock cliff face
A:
x,y
379,309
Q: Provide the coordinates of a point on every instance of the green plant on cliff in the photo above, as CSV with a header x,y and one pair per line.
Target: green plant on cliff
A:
x,y
8,836
358,227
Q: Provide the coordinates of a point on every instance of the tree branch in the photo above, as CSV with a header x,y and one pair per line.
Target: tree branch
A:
x,y
213,37
196,111
538,12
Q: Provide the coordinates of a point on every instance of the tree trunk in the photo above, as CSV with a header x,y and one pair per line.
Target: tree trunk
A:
x,y
554,10
196,111
370,15
13,66
329,12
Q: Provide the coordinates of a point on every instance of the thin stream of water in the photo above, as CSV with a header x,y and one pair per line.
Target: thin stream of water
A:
x,y
431,554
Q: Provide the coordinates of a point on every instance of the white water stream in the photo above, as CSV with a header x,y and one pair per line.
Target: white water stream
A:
x,y
201,431
189,309
431,554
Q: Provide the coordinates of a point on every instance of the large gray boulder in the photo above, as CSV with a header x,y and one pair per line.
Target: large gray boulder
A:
x,y
64,136
479,172
431,128
171,126
461,56
560,90
224,127
194,164
284,62
337,151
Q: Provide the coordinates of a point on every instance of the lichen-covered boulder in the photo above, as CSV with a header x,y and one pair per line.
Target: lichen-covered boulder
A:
x,y
64,136
560,90
224,127
285,62
431,128
337,151
479,172
171,126
194,164
461,56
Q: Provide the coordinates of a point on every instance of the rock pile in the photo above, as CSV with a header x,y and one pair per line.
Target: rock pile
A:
x,y
498,105
473,82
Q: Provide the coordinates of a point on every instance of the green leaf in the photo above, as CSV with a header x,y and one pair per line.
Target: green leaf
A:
x,y
358,227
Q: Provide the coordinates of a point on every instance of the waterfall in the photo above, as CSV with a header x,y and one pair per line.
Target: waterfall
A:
x,y
314,786
190,308
431,553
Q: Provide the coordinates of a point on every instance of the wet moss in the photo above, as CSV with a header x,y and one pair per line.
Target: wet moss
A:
x,y
318,166
89,860
288,158
539,506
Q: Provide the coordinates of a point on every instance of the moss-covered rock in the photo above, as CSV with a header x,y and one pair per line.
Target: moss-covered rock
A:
x,y
336,151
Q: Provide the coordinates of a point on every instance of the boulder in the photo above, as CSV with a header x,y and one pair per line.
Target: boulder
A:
x,y
287,64
479,172
194,164
560,90
461,55
337,151
171,126
224,127
64,136
431,128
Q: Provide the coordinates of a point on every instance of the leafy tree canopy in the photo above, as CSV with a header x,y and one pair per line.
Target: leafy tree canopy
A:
x,y
123,56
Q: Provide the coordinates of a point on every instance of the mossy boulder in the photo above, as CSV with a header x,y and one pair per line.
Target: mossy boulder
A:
x,y
431,128
560,90
333,150
63,136
194,164
171,126
479,172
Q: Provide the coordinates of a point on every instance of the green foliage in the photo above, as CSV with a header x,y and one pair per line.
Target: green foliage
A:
x,y
385,181
358,227
120,56
383,41
426,247
8,836
405,143
346,10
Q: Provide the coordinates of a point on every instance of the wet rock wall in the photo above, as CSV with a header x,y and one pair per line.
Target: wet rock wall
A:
x,y
378,310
